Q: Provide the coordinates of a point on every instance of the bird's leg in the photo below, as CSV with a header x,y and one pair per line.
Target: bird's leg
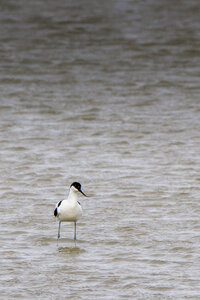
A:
x,y
59,229
75,231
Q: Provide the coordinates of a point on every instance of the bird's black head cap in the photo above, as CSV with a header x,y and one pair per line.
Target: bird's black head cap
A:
x,y
77,185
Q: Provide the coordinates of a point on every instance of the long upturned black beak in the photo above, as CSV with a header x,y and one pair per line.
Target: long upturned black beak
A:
x,y
83,193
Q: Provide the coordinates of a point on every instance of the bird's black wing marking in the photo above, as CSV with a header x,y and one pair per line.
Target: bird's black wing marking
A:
x,y
55,212
59,203
79,203
56,209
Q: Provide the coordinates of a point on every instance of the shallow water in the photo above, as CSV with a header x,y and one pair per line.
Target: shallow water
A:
x,y
106,94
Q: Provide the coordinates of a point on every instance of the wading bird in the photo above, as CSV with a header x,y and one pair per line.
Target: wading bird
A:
x,y
69,210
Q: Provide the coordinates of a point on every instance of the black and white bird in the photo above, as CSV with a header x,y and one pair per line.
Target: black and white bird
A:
x,y
69,210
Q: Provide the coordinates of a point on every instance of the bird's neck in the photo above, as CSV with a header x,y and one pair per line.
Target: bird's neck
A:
x,y
72,195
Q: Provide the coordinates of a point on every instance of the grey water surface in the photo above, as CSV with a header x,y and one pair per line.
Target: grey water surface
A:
x,y
106,93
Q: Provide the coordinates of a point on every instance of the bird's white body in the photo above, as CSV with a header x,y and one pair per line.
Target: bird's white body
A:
x,y
69,209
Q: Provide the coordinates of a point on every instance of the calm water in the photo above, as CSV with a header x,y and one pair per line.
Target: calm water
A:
x,y
105,93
